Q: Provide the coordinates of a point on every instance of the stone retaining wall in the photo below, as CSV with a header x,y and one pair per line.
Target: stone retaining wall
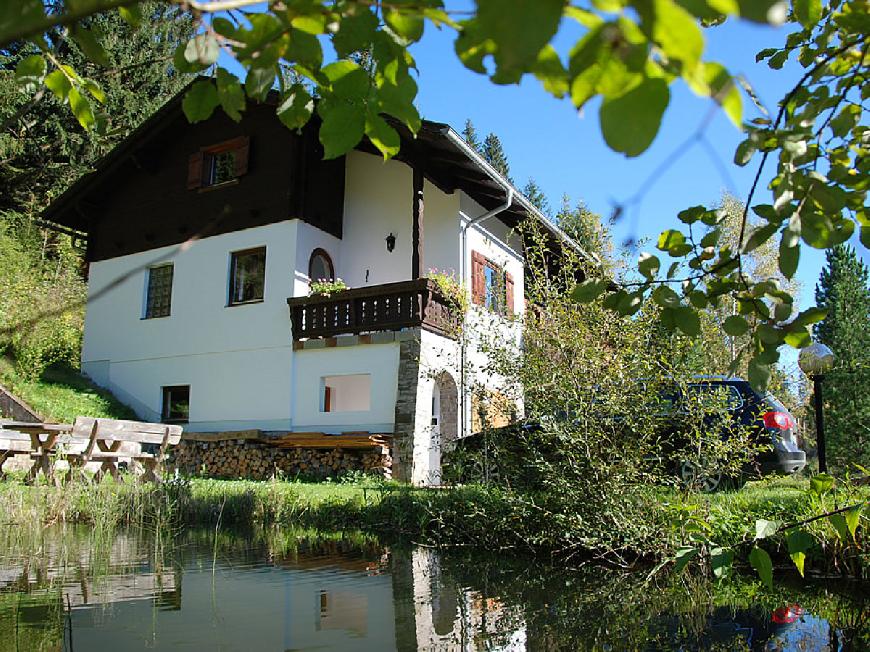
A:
x,y
254,459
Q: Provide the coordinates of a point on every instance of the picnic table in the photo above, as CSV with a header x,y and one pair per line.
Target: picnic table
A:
x,y
88,440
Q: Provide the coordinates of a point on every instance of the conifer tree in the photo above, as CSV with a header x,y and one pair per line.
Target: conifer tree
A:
x,y
843,290
535,194
496,157
469,133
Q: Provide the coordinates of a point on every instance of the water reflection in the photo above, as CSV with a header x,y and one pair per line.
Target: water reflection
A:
x,y
69,589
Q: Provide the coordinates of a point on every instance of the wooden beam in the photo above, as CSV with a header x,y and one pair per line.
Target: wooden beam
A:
x,y
417,229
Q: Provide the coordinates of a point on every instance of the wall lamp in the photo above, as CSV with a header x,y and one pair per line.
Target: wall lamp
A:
x,y
391,242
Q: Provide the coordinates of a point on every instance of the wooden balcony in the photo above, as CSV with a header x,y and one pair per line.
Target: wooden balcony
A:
x,y
387,307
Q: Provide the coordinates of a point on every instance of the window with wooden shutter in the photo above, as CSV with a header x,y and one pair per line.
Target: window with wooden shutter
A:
x,y
218,164
509,293
478,283
194,171
491,286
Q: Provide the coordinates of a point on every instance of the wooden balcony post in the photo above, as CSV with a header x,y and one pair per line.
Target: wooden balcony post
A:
x,y
417,230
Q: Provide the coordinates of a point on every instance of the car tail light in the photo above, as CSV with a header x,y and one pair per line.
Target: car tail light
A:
x,y
778,420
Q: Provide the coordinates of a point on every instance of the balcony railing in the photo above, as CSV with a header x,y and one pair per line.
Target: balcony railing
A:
x,y
387,307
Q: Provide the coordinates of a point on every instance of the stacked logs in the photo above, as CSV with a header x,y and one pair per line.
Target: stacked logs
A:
x,y
255,459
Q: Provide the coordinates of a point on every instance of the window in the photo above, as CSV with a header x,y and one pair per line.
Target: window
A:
x,y
247,276
491,286
176,404
348,393
158,294
218,164
320,266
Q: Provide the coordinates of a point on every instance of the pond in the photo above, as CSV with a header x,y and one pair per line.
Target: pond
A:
x,y
79,589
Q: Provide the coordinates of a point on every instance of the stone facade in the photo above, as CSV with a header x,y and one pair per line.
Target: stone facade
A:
x,y
406,409
252,459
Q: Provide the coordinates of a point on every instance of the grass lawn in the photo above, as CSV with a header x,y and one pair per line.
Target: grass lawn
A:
x,y
61,394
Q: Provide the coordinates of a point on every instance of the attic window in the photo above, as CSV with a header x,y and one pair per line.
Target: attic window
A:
x,y
218,164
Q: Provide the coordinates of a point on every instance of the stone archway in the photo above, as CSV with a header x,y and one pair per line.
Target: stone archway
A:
x,y
445,421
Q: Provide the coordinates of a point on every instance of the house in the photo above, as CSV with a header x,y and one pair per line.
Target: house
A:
x,y
203,241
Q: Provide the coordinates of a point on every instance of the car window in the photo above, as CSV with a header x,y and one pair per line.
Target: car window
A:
x,y
715,396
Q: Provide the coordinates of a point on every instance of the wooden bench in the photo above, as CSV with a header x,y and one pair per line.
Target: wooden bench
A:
x,y
102,439
40,439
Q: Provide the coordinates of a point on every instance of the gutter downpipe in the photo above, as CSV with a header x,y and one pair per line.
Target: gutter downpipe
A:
x,y
463,231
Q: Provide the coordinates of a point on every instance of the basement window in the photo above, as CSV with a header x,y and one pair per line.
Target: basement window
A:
x,y
176,404
347,393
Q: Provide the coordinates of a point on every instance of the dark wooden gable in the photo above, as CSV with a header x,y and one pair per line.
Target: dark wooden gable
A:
x,y
148,197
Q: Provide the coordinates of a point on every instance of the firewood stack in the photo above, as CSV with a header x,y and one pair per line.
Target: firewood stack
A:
x,y
253,456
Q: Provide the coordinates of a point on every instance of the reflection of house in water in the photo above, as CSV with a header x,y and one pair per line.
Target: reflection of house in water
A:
x,y
447,617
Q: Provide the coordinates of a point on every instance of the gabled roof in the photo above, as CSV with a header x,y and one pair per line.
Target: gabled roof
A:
x,y
444,157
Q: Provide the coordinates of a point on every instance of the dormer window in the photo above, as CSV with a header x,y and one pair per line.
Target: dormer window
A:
x,y
218,165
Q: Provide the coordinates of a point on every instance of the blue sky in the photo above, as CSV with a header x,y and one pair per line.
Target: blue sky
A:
x,y
565,153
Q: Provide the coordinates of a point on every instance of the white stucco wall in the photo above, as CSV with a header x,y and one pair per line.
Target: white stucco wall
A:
x,y
236,359
311,365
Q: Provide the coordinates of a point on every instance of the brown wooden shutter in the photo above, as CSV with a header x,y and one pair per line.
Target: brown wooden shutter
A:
x,y
509,293
241,158
478,280
194,170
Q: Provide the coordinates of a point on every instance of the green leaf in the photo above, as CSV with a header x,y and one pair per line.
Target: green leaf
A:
x,y
821,483
666,297
760,561
551,73
798,339
721,561
744,152
687,320
202,50
865,236
765,528
759,373
132,15
735,326
789,253
343,127
674,242
259,82
200,101
648,265
348,79
94,89
799,541
81,108
759,236
355,32
406,23
808,13
810,316
58,83
382,135
838,521
296,107
853,518
88,42
517,30
230,94
691,215
675,30
683,557
589,290
631,121
30,73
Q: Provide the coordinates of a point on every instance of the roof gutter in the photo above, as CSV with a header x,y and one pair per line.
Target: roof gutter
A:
x,y
512,192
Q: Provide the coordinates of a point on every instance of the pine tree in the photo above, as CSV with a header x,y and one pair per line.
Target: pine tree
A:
x,y
587,229
539,200
43,149
843,290
470,136
496,157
